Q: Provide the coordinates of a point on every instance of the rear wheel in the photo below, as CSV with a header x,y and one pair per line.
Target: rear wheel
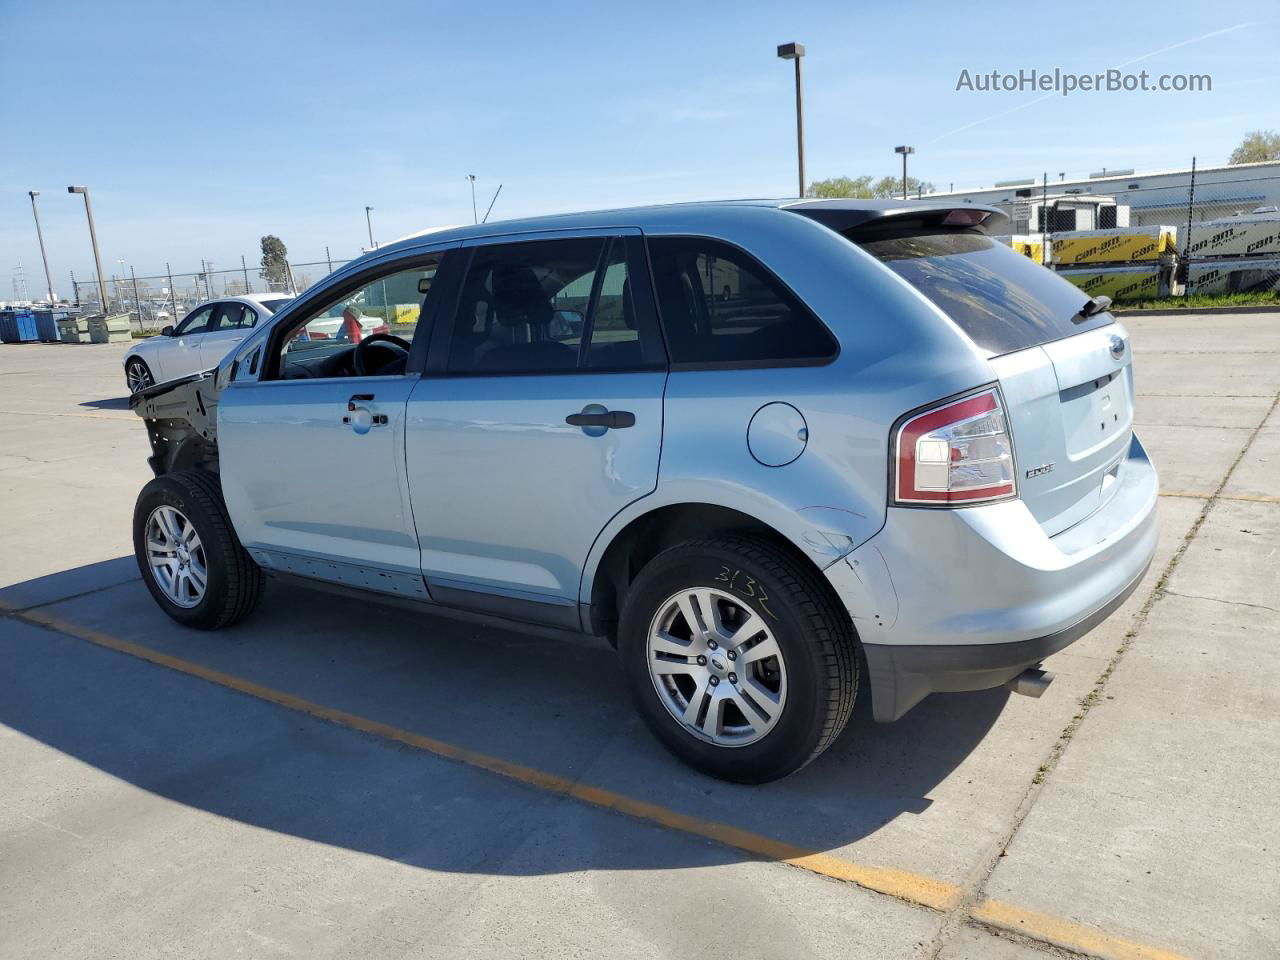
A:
x,y
138,375
189,556
740,659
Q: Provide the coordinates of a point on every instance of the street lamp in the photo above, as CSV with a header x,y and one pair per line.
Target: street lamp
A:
x,y
93,237
795,51
36,213
474,217
369,222
904,151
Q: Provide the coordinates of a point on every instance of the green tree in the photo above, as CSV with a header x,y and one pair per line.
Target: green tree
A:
x,y
1257,147
840,187
275,261
866,187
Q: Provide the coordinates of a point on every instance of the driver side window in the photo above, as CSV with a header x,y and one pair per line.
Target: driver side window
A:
x,y
194,322
365,332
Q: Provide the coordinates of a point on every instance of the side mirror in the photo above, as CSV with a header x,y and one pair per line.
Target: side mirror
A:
x,y
167,331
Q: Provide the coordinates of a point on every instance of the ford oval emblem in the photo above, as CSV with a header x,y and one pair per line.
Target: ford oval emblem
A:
x,y
1117,347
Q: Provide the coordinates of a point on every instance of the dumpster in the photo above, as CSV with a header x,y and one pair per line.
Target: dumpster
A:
x,y
69,329
47,324
17,326
113,329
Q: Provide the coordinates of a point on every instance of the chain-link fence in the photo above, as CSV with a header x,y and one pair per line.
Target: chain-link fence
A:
x,y
154,300
1214,233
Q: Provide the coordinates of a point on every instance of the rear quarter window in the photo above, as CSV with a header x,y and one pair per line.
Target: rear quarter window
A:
x,y
720,306
1002,300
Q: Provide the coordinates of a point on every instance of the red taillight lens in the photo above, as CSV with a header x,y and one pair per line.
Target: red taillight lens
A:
x,y
960,452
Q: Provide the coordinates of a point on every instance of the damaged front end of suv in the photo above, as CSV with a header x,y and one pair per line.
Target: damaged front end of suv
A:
x,y
182,422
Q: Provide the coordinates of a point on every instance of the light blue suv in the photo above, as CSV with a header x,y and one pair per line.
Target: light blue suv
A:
x,y
759,446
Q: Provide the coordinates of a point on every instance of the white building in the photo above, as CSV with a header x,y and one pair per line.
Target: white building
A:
x,y
1152,198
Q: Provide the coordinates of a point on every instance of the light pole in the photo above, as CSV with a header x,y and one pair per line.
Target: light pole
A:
x,y
93,237
474,216
904,151
795,51
36,213
369,223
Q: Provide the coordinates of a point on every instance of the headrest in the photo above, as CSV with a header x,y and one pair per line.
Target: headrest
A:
x,y
518,297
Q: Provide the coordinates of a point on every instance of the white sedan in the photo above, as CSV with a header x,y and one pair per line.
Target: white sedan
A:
x,y
205,335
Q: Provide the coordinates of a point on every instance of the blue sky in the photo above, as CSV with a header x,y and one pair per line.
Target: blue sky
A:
x,y
199,127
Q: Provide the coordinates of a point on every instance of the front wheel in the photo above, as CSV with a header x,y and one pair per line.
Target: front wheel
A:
x,y
188,553
138,375
740,659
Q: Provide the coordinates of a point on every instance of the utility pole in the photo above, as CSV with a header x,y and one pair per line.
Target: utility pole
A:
x,y
369,222
474,216
48,279
173,299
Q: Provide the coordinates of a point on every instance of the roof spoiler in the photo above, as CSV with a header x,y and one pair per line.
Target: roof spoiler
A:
x,y
864,216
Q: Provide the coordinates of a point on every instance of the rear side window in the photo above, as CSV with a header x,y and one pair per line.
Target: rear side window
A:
x,y
548,306
1001,299
719,305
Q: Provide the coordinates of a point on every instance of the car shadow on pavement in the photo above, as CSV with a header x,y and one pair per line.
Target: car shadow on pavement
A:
x,y
111,403
558,705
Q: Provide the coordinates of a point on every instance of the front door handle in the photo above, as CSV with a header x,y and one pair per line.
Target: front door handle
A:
x,y
610,419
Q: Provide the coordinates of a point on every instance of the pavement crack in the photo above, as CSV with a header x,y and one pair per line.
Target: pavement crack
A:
x,y
974,890
1234,603
6,610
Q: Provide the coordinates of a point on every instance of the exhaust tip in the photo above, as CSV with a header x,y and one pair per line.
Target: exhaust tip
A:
x,y
1032,682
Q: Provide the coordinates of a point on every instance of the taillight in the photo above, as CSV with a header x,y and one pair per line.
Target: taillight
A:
x,y
960,452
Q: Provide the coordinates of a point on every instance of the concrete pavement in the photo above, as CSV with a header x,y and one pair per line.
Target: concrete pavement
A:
x,y
149,812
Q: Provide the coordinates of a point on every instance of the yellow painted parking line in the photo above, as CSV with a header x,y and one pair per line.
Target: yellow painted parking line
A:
x,y
1063,933
920,890
903,885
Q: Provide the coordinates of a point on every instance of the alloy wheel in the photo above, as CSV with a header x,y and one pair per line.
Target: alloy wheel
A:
x,y
717,667
137,376
176,556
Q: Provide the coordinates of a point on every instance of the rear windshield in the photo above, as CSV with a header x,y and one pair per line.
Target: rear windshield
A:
x,y
1004,301
274,305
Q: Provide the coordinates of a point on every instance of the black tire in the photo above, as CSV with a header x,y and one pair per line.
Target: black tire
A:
x,y
234,584
147,378
812,630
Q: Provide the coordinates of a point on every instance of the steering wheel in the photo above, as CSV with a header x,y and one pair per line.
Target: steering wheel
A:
x,y
387,341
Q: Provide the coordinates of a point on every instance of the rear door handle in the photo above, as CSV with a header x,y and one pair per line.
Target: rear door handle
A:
x,y
610,420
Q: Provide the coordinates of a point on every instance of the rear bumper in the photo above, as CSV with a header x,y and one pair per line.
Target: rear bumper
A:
x,y
948,600
904,674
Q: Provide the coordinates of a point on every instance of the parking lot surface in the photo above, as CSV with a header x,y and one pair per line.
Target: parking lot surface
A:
x,y
337,779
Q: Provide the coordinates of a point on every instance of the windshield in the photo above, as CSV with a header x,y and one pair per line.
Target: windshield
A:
x,y
1004,301
274,305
